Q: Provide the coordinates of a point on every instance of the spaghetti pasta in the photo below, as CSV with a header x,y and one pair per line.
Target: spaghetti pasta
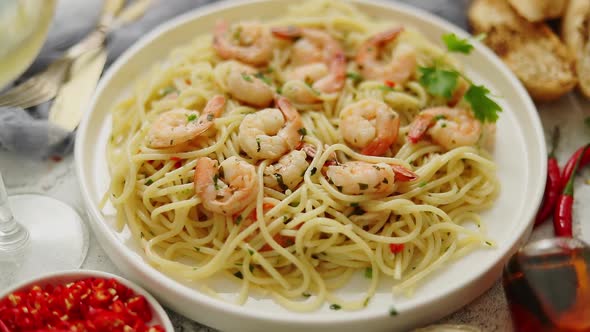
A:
x,y
284,214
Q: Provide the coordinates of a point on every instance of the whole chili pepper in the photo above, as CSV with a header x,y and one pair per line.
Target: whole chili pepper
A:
x,y
568,169
562,219
553,184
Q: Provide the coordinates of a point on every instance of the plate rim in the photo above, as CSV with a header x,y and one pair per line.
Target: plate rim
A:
x,y
170,285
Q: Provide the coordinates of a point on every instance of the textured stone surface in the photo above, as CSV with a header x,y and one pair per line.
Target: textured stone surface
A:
x,y
57,179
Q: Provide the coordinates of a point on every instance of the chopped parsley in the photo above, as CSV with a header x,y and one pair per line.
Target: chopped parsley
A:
x,y
439,117
305,294
366,303
302,131
263,78
393,311
422,184
239,219
197,249
369,273
210,117
251,268
280,181
335,306
215,180
237,33
355,77
149,182
489,243
354,204
251,252
239,275
386,88
191,117
363,186
339,188
313,170
358,211
247,77
167,90
258,144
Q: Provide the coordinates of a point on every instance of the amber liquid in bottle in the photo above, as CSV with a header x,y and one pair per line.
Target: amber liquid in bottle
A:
x,y
548,290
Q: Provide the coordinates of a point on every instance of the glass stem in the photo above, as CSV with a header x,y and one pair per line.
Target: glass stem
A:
x,y
12,235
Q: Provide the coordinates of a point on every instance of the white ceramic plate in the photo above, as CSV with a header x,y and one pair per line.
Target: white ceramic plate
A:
x,y
520,155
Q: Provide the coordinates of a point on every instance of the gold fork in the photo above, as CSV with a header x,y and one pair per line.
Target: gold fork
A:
x,y
45,85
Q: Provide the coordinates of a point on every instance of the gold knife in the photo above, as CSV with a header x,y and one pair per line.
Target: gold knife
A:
x,y
74,96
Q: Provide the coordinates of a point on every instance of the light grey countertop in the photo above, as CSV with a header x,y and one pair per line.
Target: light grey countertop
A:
x,y
57,179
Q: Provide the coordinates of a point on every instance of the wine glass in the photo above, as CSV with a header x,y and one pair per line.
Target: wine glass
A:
x,y
38,234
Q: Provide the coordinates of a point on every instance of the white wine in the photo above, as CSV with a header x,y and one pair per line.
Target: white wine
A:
x,y
23,28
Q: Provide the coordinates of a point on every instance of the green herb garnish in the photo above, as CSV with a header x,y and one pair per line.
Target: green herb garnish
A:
x,y
280,181
246,77
305,294
239,275
355,77
302,131
191,117
363,186
335,306
149,182
485,109
167,90
369,273
263,78
443,82
393,312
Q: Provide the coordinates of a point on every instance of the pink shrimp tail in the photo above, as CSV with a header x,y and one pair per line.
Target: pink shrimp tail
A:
x,y
419,128
403,174
387,35
288,32
377,148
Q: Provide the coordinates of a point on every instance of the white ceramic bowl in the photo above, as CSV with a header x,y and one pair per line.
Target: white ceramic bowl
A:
x,y
520,154
63,277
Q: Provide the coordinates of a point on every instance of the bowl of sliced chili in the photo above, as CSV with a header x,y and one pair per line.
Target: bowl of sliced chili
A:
x,y
81,300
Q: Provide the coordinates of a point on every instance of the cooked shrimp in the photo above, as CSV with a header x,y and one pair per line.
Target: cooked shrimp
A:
x,y
369,125
226,189
181,125
271,132
248,42
244,85
359,177
447,127
399,69
286,173
316,46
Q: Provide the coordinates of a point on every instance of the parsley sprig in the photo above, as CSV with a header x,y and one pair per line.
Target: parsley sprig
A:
x,y
442,82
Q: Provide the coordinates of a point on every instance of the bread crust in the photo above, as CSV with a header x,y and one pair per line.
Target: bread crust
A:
x,y
531,50
539,10
575,31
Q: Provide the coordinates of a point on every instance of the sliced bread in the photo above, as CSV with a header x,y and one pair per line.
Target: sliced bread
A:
x,y
576,34
531,50
539,10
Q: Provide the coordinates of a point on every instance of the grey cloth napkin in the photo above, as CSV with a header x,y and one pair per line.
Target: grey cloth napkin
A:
x,y
29,132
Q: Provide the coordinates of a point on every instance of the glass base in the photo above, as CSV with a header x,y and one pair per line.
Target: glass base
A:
x,y
58,239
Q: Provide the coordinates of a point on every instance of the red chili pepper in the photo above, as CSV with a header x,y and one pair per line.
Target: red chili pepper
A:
x,y
396,247
562,219
553,184
389,83
92,304
568,169
174,158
